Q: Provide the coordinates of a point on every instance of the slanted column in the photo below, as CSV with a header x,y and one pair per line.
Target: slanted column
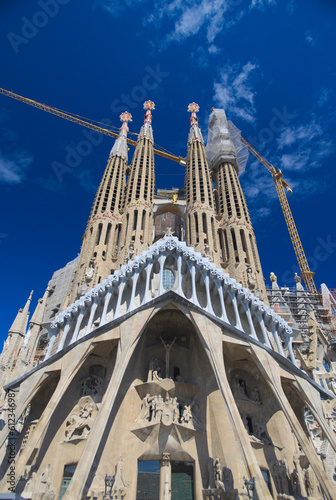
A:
x,y
120,294
165,477
53,335
134,285
276,337
106,304
68,323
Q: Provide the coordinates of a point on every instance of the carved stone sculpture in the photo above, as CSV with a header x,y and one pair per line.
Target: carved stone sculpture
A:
x,y
154,372
78,425
155,409
260,431
91,386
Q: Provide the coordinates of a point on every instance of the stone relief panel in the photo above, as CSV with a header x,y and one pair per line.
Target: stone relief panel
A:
x,y
38,487
109,487
80,421
168,410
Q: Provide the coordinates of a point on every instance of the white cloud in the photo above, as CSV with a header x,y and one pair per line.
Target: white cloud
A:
x,y
189,17
304,146
234,91
13,167
310,39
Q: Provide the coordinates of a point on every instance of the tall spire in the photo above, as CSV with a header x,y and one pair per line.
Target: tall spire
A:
x,y
202,231
98,257
14,341
238,245
137,232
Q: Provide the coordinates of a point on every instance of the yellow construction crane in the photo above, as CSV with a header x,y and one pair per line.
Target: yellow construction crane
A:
x,y
84,123
280,184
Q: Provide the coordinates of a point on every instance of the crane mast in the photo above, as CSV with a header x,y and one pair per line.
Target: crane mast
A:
x,y
280,183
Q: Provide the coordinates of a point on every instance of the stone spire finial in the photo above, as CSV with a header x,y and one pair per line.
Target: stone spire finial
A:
x,y
195,132
21,321
146,130
120,145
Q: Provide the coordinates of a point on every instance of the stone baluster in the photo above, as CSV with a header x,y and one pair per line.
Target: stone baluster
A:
x,y
53,331
148,270
161,260
260,319
276,337
94,305
120,294
179,276
250,320
193,299
68,323
207,291
134,285
106,304
80,317
235,308
222,302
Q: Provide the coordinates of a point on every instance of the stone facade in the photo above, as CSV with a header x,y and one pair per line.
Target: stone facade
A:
x,y
169,377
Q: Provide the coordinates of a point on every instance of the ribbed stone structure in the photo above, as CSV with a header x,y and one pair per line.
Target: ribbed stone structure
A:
x,y
201,224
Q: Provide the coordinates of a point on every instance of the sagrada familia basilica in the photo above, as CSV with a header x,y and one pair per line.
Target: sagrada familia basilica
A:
x,y
156,365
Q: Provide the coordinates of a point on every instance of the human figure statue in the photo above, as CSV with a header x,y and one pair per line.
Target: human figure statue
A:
x,y
119,481
176,411
145,411
260,431
187,415
154,372
255,396
218,475
167,346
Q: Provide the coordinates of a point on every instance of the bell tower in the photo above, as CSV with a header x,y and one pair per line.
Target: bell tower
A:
x,y
137,226
201,224
240,257
98,256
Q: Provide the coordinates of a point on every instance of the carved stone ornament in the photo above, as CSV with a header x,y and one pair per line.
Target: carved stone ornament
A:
x,y
165,459
155,409
115,486
38,486
79,423
220,485
92,386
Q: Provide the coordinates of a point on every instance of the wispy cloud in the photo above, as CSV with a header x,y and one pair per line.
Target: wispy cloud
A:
x,y
188,18
13,167
324,96
310,38
234,92
305,145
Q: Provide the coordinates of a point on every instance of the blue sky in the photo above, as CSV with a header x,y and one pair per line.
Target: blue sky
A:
x,y
270,64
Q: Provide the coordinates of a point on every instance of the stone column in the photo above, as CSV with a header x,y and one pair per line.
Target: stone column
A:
x,y
165,477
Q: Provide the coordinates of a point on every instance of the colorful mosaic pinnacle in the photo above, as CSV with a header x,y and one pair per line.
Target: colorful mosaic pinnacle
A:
x,y
126,117
149,105
193,108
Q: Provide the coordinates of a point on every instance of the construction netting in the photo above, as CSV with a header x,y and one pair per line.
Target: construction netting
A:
x,y
224,141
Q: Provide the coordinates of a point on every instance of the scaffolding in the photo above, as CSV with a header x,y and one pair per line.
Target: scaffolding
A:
x,y
293,304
